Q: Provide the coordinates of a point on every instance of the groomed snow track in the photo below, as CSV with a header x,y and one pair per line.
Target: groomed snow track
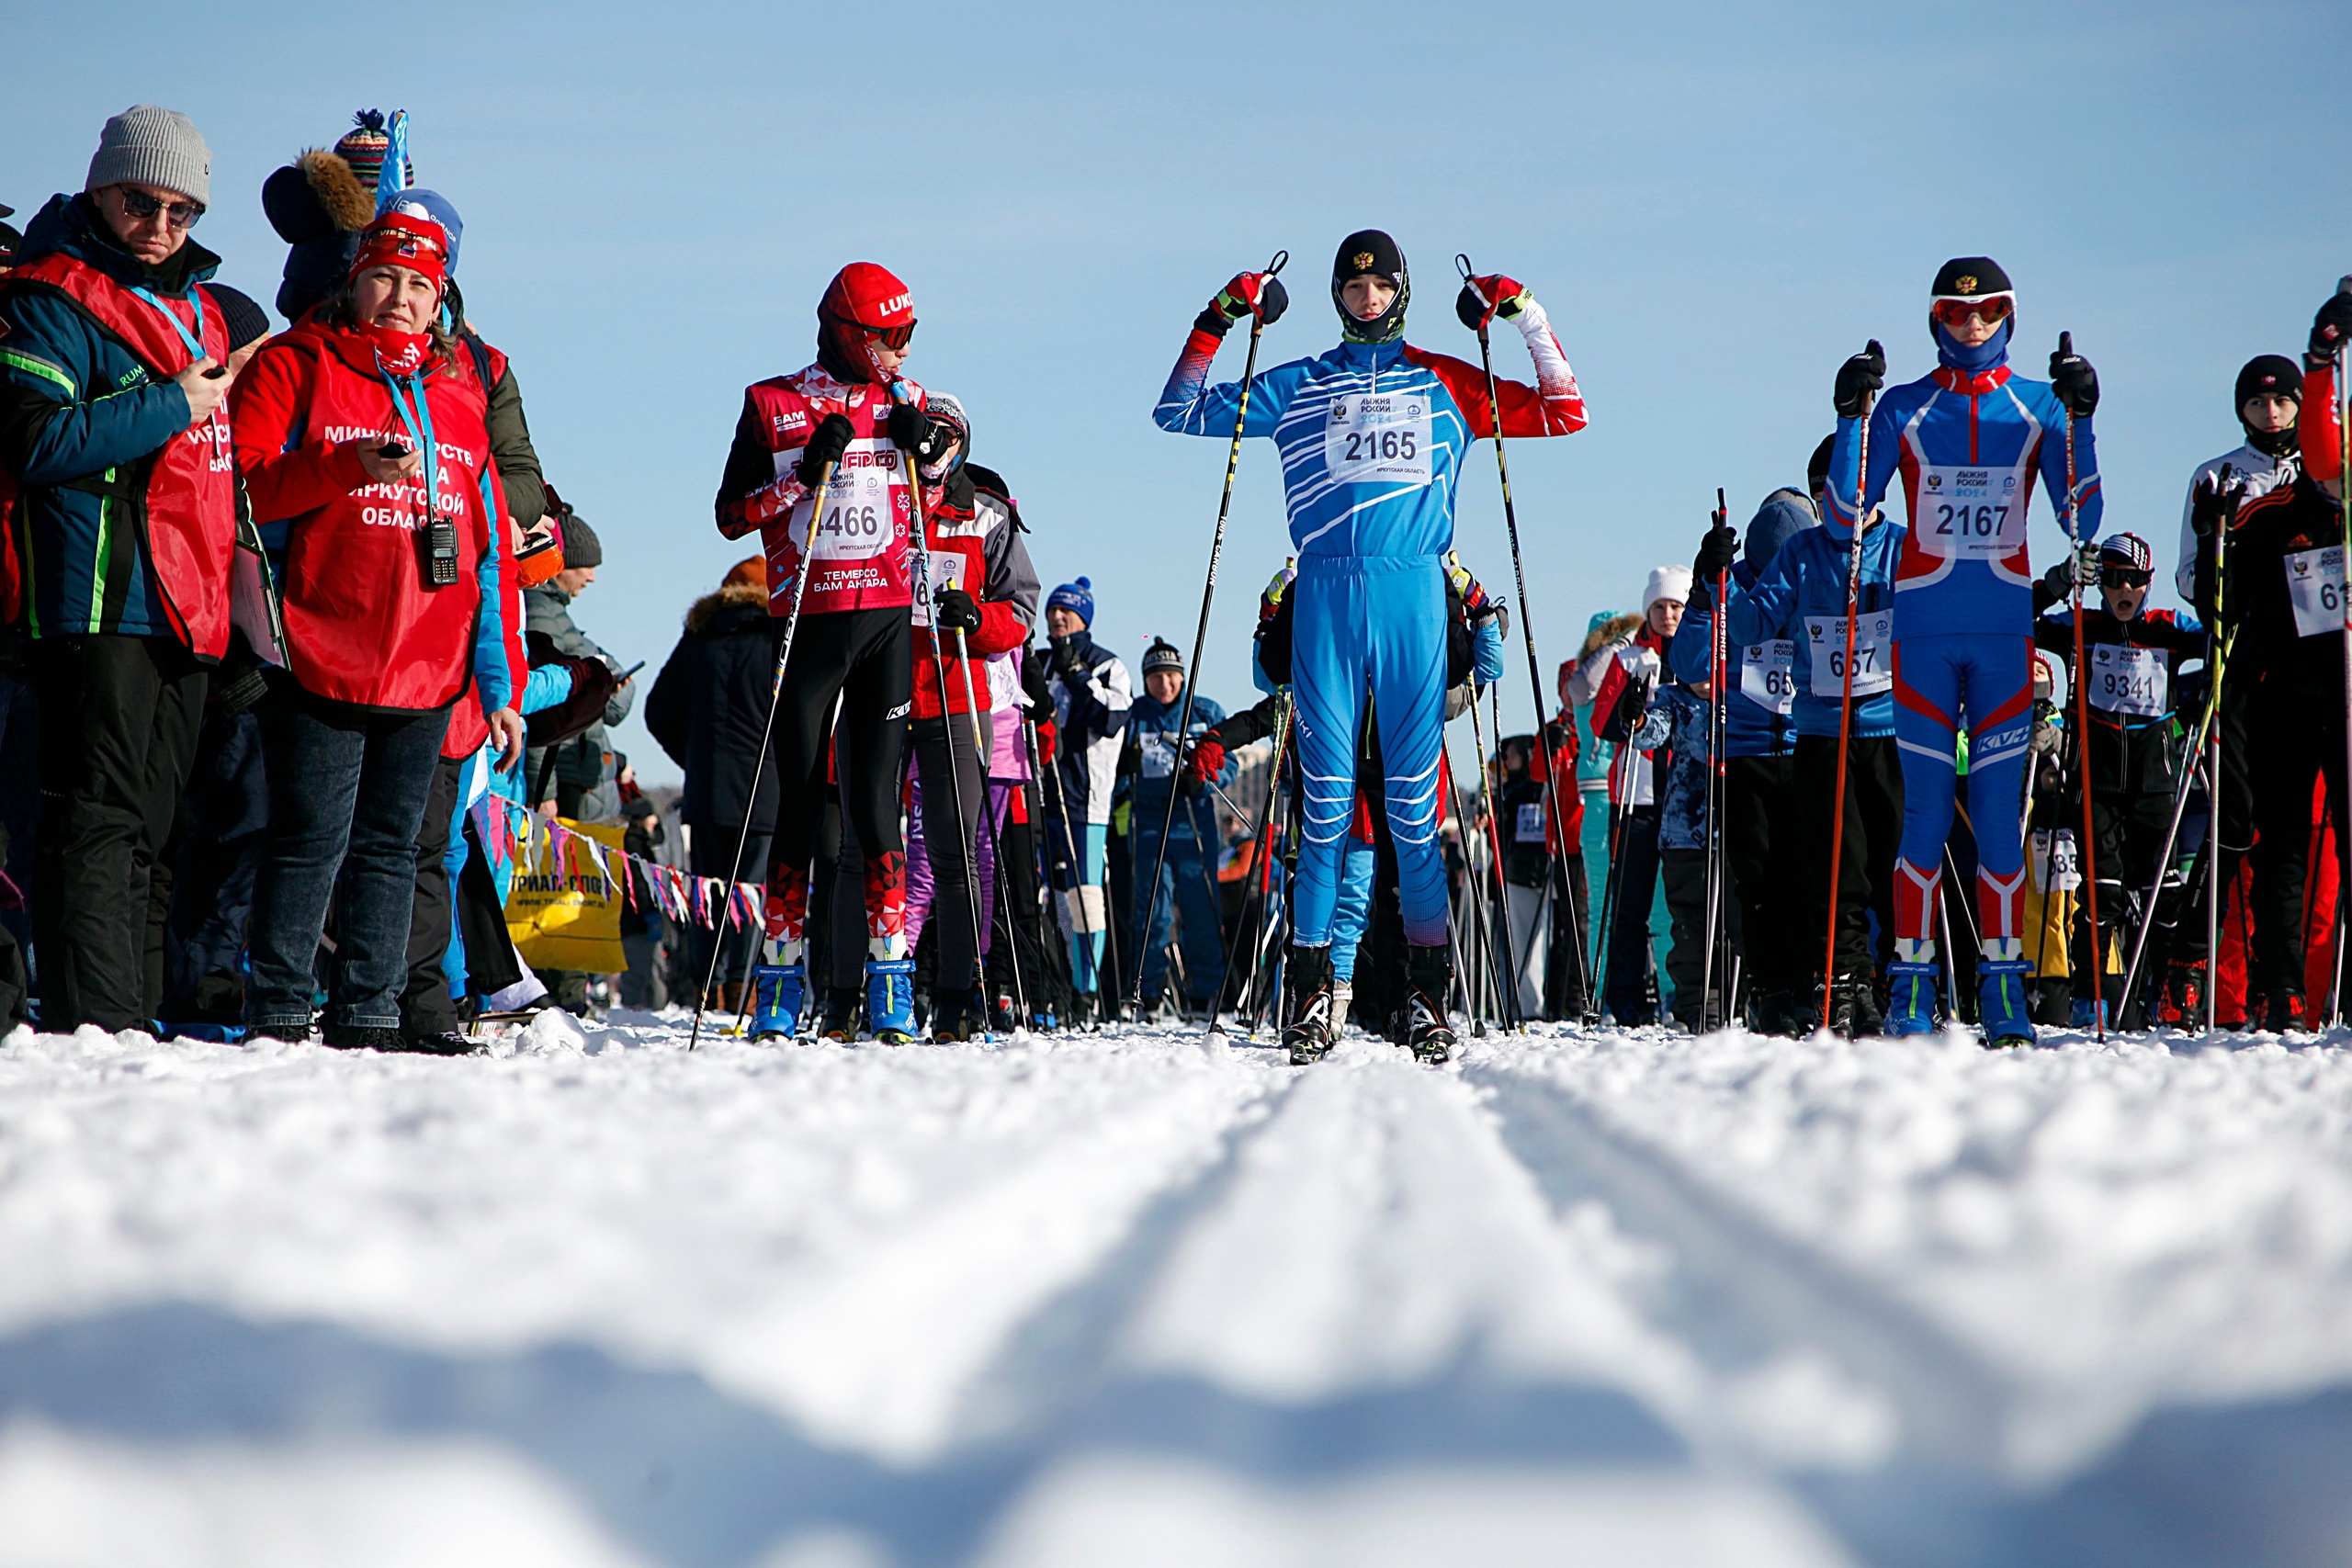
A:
x,y
1155,1297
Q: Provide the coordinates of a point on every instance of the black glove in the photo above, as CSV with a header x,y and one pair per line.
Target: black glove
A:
x,y
1859,378
1065,657
2329,329
908,426
937,437
2072,377
2056,584
826,443
1717,550
2213,504
956,611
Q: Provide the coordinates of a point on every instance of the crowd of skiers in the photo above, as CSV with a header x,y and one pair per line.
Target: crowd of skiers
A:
x,y
286,606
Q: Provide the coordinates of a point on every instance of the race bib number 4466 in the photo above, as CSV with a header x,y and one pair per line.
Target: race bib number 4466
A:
x,y
859,517
1378,437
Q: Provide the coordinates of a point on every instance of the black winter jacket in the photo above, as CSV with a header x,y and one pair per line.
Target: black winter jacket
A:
x,y
709,704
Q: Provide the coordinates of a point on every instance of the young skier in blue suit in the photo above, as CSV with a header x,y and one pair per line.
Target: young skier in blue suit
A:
x,y
1372,435
1969,438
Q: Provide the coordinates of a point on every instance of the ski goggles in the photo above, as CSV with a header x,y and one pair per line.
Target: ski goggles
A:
x,y
2124,577
1993,309
894,339
142,206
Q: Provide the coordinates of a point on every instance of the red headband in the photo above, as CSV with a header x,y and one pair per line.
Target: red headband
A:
x,y
396,239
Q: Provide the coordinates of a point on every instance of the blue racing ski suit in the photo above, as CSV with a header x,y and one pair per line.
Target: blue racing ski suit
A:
x,y
1968,439
1372,437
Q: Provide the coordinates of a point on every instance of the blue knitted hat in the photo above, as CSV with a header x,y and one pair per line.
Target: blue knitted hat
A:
x,y
1078,598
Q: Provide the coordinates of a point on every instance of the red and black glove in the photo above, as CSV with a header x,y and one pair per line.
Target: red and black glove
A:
x,y
1484,298
1259,294
1205,762
1046,743
2330,329
826,443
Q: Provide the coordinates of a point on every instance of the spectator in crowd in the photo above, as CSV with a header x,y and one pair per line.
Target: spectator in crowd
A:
x,y
115,363
1092,700
382,623
707,709
576,778
1148,766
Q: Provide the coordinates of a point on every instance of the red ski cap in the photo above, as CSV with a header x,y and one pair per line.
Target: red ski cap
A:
x,y
863,294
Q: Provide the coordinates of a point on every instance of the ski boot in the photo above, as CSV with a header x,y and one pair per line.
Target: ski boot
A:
x,y
890,1001
837,1014
2000,1001
2275,1013
777,996
1864,1018
1306,986
958,1014
1911,1008
1429,975
2182,1004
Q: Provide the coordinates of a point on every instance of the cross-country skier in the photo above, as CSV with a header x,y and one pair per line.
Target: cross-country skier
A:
x,y
1372,435
1091,698
2134,654
853,410
1969,438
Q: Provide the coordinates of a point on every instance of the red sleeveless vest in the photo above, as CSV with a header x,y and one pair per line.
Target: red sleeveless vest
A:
x,y
186,511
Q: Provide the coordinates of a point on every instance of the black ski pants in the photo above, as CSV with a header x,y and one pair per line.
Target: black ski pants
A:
x,y
1873,810
1567,979
1763,846
864,658
1633,866
2302,742
119,718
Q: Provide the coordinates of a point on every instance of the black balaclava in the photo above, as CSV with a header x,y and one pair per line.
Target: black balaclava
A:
x,y
2268,373
1370,252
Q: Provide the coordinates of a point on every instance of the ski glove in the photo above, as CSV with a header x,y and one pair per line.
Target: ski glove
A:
x,y
1717,550
956,611
2072,377
1484,298
2330,327
2214,504
1065,655
1259,294
1205,762
909,427
826,443
1860,379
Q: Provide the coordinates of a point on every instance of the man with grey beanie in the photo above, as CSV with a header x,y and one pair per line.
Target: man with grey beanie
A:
x,y
114,362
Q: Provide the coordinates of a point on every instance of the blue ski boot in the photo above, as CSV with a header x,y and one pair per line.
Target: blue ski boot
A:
x,y
890,1000
2000,1001
777,995
1911,999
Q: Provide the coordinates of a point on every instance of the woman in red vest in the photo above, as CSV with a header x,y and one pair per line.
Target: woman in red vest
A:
x,y
362,429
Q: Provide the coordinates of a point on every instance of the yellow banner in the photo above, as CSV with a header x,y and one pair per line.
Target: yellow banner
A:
x,y
560,912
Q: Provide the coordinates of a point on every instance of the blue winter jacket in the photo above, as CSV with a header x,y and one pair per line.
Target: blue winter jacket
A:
x,y
1803,590
1151,764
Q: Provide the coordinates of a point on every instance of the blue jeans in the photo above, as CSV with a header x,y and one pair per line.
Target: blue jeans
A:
x,y
347,789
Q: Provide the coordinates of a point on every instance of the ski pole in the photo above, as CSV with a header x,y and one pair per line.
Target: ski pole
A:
x,y
982,747
1266,918
2179,809
1846,705
1208,592
1518,562
918,542
1716,660
1620,812
1069,846
1514,1014
767,731
2082,730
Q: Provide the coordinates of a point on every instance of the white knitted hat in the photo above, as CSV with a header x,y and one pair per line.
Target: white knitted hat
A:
x,y
1667,583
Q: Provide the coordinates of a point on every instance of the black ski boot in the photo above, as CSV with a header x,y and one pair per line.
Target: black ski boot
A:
x,y
1429,975
838,1015
1307,998
957,1014
1857,1010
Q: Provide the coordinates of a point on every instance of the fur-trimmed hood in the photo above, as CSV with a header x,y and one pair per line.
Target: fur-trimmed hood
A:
x,y
1603,633
706,611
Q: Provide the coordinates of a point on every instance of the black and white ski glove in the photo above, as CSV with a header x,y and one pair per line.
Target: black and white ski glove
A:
x,y
826,443
2072,377
2330,329
1860,377
2213,505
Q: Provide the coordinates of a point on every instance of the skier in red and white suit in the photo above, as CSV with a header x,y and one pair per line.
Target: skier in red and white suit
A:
x,y
853,410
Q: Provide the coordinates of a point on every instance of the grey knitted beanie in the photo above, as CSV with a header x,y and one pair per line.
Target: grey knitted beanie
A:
x,y
149,146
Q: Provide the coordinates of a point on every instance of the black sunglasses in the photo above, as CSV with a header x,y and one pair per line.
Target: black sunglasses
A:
x,y
140,206
2123,577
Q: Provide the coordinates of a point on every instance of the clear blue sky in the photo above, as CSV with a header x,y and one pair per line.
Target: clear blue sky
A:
x,y
1717,203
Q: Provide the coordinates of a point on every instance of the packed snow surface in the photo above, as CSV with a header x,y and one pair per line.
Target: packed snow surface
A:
x,y
1155,1296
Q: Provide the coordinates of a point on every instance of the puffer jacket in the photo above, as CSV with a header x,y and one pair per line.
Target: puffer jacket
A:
x,y
709,704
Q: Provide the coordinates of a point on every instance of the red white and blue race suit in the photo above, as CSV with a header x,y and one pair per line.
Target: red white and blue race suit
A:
x,y
1969,438
1372,437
